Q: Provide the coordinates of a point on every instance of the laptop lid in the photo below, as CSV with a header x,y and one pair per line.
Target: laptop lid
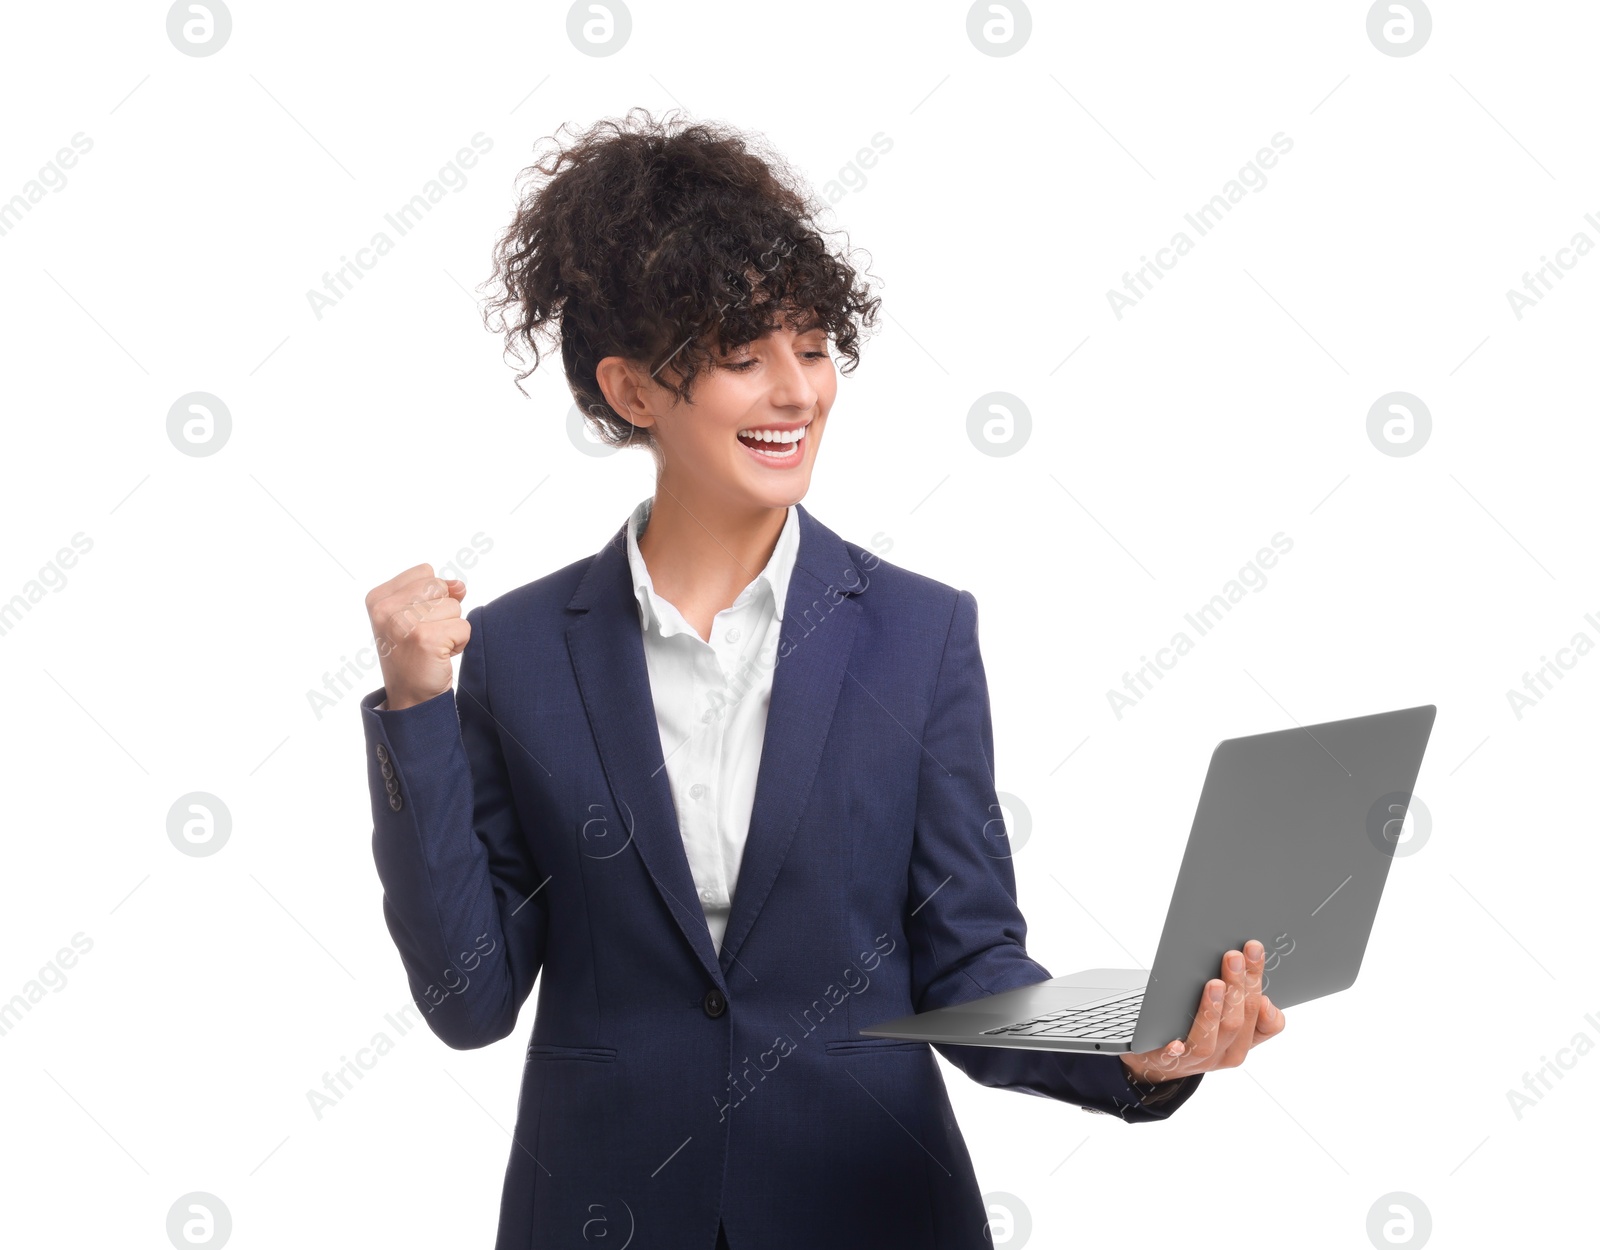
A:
x,y
1291,846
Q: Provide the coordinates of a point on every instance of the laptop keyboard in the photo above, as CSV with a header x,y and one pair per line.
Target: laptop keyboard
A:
x,y
1110,1021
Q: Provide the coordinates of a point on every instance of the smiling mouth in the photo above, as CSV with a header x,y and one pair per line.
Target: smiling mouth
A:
x,y
775,453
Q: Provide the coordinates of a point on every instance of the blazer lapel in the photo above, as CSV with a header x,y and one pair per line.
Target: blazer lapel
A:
x,y
607,650
820,616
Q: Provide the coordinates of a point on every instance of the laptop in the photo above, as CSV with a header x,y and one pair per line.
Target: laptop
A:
x,y
1290,846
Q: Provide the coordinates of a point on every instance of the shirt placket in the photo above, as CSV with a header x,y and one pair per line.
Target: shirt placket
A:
x,y
703,790
719,716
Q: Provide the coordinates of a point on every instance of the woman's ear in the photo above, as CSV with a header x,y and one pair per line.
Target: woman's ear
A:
x,y
623,385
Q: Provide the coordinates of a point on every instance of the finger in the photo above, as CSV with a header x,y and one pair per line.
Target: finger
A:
x,y
1244,995
378,593
431,600
1201,1043
454,637
424,600
443,640
1234,972
1270,1022
1255,960
409,627
1166,1063
1243,968
422,588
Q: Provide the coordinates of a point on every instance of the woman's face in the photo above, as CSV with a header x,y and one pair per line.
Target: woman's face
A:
x,y
735,445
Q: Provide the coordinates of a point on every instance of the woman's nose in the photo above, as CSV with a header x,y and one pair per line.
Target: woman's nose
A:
x,y
791,388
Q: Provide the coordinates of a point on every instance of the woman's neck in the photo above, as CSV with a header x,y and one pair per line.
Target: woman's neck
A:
x,y
700,557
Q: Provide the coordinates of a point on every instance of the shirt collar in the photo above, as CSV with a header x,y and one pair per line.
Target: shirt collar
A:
x,y
773,579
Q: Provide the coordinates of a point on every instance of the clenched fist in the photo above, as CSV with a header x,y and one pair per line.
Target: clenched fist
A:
x,y
418,626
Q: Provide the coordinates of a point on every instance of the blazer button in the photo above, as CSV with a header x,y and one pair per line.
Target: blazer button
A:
x,y
714,1003
391,785
387,769
394,801
383,754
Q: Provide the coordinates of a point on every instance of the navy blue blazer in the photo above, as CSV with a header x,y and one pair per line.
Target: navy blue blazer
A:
x,y
523,824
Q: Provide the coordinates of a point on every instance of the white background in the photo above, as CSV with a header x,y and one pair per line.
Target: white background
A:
x,y
1229,405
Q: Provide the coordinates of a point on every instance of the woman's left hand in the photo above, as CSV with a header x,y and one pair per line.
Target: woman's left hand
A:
x,y
1234,1016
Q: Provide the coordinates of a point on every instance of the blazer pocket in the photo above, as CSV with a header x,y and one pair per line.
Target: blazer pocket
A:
x,y
584,1054
870,1045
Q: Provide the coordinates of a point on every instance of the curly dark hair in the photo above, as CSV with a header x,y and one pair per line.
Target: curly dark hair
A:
x,y
663,242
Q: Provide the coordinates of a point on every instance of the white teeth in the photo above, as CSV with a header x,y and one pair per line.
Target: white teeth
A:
x,y
773,436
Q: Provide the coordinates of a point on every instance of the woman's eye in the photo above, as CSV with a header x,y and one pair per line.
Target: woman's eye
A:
x,y
743,366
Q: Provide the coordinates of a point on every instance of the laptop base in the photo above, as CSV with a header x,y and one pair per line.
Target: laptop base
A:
x,y
971,1023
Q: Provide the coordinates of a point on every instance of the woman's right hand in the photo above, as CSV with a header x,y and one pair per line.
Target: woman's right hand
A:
x,y
418,627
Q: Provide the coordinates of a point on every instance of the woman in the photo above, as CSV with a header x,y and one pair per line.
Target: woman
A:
x,y
726,782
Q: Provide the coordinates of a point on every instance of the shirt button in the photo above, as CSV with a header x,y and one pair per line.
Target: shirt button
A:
x,y
696,790
708,895
732,635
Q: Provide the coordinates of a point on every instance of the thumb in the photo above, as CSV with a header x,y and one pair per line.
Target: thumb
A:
x,y
455,587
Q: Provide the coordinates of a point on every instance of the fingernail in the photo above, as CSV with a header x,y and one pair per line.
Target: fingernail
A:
x,y
1216,993
1235,962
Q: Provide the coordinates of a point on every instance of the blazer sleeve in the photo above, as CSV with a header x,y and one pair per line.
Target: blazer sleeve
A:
x,y
462,896
965,932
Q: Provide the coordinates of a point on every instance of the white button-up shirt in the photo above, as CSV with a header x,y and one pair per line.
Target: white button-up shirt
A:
x,y
711,698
